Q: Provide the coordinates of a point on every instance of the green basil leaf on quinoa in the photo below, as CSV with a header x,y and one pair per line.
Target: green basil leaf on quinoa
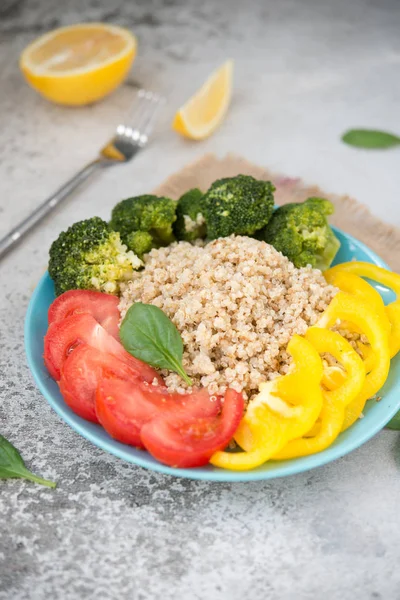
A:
x,y
148,334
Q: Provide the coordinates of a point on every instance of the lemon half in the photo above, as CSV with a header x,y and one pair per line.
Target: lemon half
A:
x,y
79,64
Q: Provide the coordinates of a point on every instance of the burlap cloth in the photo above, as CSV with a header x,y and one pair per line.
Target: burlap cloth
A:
x,y
351,216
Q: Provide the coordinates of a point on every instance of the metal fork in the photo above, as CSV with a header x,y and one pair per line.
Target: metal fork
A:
x,y
127,141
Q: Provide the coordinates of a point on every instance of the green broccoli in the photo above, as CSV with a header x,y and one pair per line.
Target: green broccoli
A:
x,y
90,256
140,242
302,233
190,223
240,205
152,214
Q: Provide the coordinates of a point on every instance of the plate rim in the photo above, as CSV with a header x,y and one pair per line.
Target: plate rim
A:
x,y
207,473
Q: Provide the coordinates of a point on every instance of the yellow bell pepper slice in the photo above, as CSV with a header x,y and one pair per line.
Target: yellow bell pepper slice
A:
x,y
335,401
333,343
354,284
345,306
333,376
364,269
385,278
367,356
285,409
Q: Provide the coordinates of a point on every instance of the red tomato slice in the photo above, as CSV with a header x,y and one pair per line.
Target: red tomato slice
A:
x,y
103,307
81,373
64,336
123,407
181,442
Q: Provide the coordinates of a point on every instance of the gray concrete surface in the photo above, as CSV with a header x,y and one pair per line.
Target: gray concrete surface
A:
x,y
305,72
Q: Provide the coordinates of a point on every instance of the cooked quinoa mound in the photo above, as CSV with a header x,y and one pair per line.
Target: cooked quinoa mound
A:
x,y
236,303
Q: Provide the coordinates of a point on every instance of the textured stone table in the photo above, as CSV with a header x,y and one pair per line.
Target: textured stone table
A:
x,y
305,72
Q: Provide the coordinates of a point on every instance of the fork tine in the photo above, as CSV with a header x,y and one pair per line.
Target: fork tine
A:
x,y
146,127
139,110
134,132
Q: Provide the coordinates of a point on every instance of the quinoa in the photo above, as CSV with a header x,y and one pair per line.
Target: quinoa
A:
x,y
236,302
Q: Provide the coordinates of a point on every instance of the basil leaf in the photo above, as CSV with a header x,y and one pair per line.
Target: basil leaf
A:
x,y
370,138
395,422
148,334
12,465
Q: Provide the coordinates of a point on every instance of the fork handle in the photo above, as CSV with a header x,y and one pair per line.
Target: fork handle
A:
x,y
16,234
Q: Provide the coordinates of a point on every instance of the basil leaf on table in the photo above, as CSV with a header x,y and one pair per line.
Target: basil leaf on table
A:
x,y
395,422
148,334
12,465
370,138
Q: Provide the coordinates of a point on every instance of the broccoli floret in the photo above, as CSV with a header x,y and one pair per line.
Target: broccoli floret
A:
x,y
301,232
90,256
190,223
149,213
140,242
240,205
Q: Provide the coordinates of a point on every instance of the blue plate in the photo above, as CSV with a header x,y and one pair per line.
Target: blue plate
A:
x,y
376,414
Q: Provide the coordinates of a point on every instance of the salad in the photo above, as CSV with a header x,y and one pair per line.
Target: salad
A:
x,y
213,329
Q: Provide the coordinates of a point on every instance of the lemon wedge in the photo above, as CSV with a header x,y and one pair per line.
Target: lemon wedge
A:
x,y
204,111
79,64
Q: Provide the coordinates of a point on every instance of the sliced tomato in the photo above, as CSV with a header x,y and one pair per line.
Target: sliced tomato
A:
x,y
124,406
179,441
102,307
80,376
64,336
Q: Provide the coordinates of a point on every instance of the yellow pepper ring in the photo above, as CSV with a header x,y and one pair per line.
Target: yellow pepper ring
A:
x,y
332,417
335,401
364,269
334,376
347,307
384,277
353,284
367,356
333,343
300,388
264,429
